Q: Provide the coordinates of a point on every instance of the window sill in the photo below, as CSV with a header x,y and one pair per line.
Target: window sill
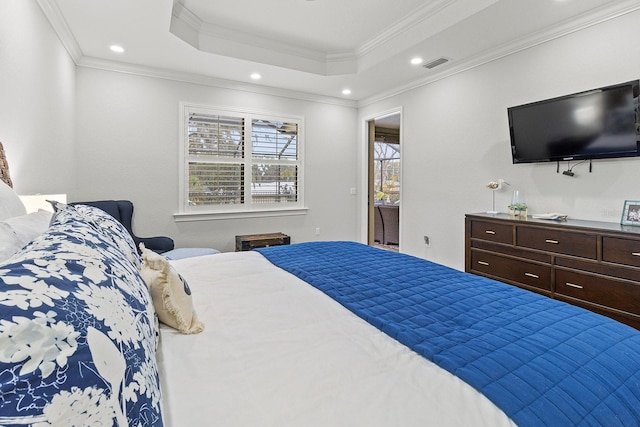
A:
x,y
213,216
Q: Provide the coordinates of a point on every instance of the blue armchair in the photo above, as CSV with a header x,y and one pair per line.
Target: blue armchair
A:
x,y
122,210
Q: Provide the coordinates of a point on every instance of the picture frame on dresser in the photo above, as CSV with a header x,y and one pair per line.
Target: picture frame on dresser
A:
x,y
631,213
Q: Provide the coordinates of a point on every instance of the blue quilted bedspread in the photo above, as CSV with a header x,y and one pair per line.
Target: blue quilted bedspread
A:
x,y
543,362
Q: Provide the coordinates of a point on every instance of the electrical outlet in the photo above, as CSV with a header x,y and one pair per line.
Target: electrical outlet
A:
x,y
427,241
317,231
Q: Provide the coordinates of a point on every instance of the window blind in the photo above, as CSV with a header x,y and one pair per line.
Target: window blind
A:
x,y
274,140
241,159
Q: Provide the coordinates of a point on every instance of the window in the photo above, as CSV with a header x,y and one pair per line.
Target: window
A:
x,y
235,161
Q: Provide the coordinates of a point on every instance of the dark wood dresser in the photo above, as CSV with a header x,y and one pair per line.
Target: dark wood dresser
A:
x,y
595,265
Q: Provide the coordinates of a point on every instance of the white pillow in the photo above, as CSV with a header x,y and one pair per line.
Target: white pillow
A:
x,y
9,242
10,203
28,227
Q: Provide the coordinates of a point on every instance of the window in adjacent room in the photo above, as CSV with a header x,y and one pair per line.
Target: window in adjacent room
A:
x,y
238,161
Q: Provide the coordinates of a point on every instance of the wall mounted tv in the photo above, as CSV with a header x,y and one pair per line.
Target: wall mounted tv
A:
x,y
596,124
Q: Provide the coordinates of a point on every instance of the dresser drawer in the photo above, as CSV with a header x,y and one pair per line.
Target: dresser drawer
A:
x,y
526,273
599,290
621,251
500,233
558,241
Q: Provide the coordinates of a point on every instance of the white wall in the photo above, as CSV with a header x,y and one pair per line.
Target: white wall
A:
x,y
456,139
37,101
98,134
128,145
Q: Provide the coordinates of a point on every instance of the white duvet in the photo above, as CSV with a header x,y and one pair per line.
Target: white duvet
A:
x,y
277,352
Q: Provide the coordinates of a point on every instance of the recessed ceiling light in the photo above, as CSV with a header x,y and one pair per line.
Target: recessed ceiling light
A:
x,y
116,48
346,91
256,76
416,61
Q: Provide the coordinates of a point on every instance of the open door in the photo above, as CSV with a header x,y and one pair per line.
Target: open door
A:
x,y
370,187
384,202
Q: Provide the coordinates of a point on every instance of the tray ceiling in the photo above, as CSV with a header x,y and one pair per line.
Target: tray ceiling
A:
x,y
313,47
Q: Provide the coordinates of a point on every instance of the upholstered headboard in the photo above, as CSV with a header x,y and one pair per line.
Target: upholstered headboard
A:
x,y
4,168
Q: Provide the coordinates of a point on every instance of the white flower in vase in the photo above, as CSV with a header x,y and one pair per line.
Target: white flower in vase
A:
x,y
495,186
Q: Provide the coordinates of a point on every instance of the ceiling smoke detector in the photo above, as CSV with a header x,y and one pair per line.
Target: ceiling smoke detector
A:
x,y
436,62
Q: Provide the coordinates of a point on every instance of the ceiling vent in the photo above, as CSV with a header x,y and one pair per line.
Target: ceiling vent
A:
x,y
435,63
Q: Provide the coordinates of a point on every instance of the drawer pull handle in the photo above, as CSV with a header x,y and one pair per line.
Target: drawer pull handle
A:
x,y
535,276
554,242
635,253
483,263
573,285
490,232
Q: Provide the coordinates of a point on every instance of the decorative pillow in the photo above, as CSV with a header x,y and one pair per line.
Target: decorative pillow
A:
x,y
104,223
170,293
107,224
78,334
10,203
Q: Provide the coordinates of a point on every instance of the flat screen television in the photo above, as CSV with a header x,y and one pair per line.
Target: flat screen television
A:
x,y
596,124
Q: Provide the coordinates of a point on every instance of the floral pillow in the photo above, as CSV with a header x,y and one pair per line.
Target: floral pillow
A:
x,y
78,334
104,223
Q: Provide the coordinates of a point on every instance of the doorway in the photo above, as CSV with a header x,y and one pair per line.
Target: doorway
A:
x,y
384,183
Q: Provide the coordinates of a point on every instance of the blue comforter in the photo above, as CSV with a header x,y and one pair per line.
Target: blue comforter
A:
x,y
543,362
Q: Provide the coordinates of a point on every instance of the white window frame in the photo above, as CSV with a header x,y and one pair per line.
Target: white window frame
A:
x,y
246,209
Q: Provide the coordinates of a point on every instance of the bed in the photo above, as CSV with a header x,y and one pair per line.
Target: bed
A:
x,y
300,343
285,354
318,333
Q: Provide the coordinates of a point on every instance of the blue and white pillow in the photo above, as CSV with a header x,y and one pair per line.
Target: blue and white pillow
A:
x,y
78,333
104,223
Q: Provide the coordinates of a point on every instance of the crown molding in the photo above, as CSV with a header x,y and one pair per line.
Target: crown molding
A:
x,y
337,59
202,29
178,11
565,28
221,33
221,40
57,21
246,46
423,13
62,30
178,76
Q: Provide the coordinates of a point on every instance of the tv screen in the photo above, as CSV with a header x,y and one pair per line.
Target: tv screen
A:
x,y
600,123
